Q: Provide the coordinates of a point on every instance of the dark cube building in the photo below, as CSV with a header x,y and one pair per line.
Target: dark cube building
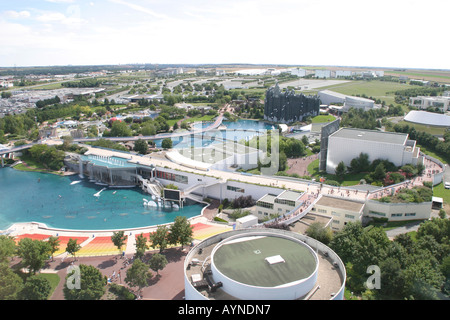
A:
x,y
288,107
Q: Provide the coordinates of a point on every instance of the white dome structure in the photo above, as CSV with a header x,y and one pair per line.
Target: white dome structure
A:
x,y
263,264
428,118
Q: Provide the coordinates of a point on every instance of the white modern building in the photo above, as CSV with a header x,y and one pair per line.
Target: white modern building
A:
x,y
263,264
272,205
320,73
340,210
297,72
347,144
329,97
343,73
425,102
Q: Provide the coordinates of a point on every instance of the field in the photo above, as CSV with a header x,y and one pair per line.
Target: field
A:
x,y
428,129
430,75
323,119
382,90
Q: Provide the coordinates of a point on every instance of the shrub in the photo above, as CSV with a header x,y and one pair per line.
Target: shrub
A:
x,y
122,292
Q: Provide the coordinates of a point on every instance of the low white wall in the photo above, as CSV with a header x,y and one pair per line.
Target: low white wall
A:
x,y
421,210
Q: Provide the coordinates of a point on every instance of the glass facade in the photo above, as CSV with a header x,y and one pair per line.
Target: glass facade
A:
x,y
171,176
236,189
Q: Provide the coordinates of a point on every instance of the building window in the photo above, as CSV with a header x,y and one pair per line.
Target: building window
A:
x,y
171,177
349,216
235,189
410,214
285,202
264,204
396,215
336,221
377,213
322,211
334,213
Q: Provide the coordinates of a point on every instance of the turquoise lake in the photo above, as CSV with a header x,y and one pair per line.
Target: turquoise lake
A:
x,y
53,200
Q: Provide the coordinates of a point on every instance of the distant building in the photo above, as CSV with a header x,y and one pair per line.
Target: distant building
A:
x,y
425,102
323,73
330,97
297,72
288,107
348,143
343,73
270,205
340,210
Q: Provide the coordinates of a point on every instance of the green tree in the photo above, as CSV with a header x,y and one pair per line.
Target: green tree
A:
x,y
341,169
72,247
141,146
317,231
10,283
141,246
7,248
120,129
54,245
380,173
159,238
119,238
166,143
34,253
92,284
180,231
35,289
138,275
157,262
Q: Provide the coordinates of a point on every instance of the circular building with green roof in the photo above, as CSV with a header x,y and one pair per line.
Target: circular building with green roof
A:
x,y
263,264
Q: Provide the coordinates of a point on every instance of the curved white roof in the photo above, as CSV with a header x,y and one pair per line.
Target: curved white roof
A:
x,y
428,118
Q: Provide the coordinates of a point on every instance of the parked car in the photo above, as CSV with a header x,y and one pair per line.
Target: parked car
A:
x,y
447,185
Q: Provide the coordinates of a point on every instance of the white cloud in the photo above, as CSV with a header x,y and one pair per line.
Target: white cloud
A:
x,y
17,14
140,8
72,20
61,1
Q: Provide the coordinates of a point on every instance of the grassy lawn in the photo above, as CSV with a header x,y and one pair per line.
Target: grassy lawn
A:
x,y
382,90
441,192
422,127
34,167
434,155
50,86
53,278
349,179
200,118
323,119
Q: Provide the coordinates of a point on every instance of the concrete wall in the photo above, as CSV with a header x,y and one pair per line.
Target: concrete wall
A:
x,y
390,210
342,149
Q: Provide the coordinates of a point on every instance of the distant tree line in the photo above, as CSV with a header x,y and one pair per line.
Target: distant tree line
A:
x,y
358,118
84,83
46,102
402,96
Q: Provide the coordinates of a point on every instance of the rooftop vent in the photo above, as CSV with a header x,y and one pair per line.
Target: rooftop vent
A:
x,y
275,259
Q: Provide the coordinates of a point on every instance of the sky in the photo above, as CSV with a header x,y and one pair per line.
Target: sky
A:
x,y
382,33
